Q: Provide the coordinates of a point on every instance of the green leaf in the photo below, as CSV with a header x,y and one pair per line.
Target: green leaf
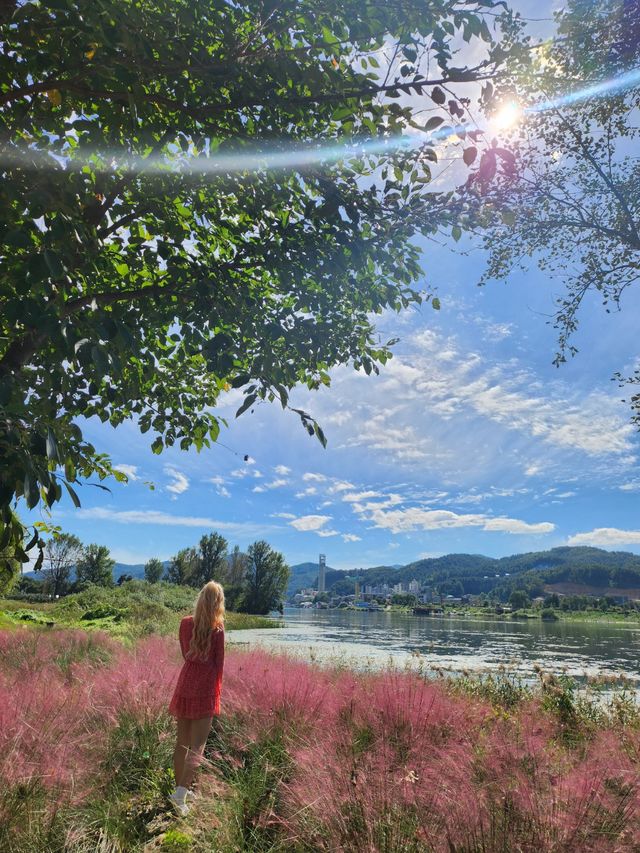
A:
x,y
248,402
469,155
456,232
74,497
434,122
508,217
52,447
30,490
435,303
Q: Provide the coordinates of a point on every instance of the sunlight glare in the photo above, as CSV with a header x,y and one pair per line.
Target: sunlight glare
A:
x,y
507,116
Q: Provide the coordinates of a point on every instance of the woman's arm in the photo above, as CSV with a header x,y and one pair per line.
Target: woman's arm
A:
x,y
219,639
185,638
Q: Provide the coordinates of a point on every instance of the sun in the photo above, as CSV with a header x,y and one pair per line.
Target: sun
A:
x,y
507,116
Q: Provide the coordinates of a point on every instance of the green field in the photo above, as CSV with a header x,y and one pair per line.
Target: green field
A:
x,y
135,609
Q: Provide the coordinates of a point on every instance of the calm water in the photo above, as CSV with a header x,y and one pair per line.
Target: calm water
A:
x,y
454,643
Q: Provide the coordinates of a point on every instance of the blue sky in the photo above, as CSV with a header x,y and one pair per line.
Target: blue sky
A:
x,y
469,440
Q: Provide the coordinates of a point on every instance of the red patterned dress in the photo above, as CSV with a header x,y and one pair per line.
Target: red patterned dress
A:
x,y
197,692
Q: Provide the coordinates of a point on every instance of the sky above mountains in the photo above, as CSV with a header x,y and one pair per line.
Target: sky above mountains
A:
x,y
470,440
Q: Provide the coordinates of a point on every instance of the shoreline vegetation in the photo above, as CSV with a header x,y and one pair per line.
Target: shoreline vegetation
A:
x,y
307,757
489,613
127,612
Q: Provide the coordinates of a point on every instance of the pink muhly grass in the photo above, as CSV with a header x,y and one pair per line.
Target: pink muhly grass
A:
x,y
264,689
138,682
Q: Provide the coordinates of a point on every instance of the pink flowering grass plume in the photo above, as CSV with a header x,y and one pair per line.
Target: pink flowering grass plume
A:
x,y
44,729
265,689
137,683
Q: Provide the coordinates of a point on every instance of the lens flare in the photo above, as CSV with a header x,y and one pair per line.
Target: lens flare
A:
x,y
507,116
285,157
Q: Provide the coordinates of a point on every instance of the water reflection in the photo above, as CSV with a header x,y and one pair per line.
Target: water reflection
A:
x,y
455,643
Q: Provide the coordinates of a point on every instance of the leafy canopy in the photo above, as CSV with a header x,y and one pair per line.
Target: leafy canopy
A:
x,y
138,284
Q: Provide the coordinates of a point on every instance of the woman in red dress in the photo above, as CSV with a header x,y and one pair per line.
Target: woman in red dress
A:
x,y
196,699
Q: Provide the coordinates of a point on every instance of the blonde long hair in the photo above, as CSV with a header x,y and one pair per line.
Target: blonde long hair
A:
x,y
208,617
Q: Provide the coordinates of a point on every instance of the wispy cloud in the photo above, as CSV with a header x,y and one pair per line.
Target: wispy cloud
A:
x,y
310,522
274,484
409,519
219,483
139,516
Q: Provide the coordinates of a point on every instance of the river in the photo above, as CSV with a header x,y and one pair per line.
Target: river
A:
x,y
453,643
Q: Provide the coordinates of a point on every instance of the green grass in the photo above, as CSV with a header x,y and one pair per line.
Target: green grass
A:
x,y
135,609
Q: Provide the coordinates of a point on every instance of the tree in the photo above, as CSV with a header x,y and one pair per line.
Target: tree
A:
x,y
62,554
563,187
183,567
153,570
10,570
212,560
266,579
519,599
237,567
95,566
162,237
234,586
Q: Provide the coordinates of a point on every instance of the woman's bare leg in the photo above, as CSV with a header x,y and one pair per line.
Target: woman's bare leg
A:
x,y
198,738
183,742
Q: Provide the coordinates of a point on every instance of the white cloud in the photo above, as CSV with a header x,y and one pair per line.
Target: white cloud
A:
x,y
310,522
605,536
282,470
469,419
497,331
632,486
148,516
324,532
351,537
340,486
219,483
354,497
311,490
418,518
533,470
131,471
318,478
245,472
179,483
282,515
274,484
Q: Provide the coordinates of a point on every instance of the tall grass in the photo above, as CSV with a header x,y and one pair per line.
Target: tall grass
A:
x,y
305,758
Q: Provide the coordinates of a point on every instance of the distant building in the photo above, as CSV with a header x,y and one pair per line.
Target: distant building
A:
x,y
357,590
414,587
322,573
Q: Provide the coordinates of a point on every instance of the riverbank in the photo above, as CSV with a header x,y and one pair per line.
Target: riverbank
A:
x,y
544,614
135,609
305,758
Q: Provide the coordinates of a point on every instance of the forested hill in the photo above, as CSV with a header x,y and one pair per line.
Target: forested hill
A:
x,y
475,573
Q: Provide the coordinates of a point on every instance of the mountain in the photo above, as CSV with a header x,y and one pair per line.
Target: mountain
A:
x,y
589,568
580,570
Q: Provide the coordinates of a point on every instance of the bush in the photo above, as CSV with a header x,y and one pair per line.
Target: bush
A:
x,y
549,615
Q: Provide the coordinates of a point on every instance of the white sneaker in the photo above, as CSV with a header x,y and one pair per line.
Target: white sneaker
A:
x,y
179,804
